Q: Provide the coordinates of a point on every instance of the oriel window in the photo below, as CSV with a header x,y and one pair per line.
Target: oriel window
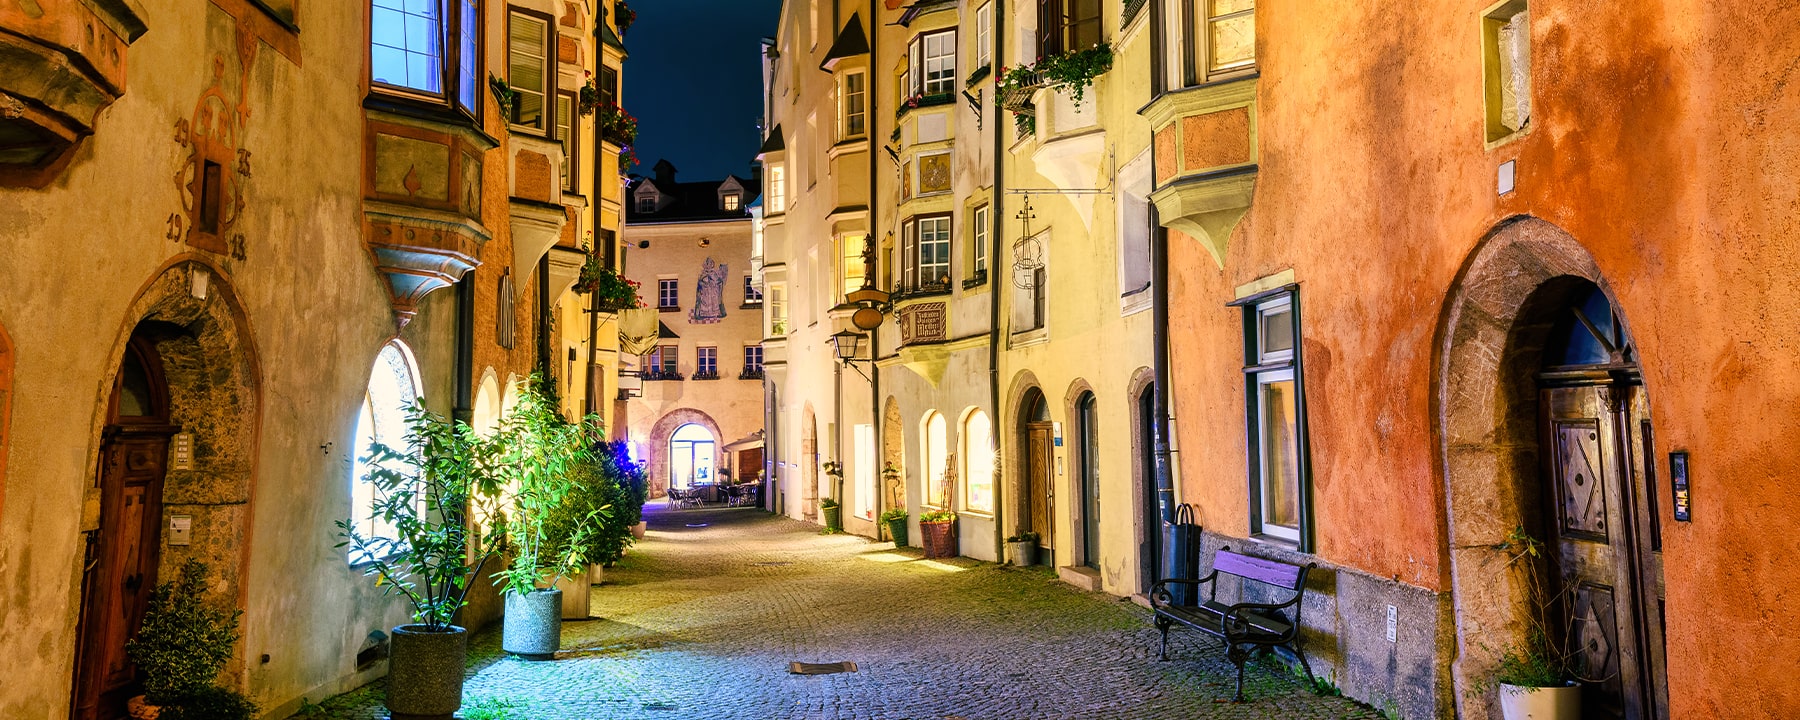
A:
x,y
1201,41
853,107
427,50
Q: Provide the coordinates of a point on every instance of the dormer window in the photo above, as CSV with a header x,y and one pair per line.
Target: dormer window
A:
x,y
646,203
729,201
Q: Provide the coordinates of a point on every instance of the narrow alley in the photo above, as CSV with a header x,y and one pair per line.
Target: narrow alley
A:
x,y
703,617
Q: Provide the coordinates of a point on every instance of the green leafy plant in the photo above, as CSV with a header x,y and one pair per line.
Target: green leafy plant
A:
x,y
210,703
626,16
1539,661
184,642
1027,536
538,453
932,516
893,514
615,125
608,489
1072,71
504,94
425,492
828,503
612,291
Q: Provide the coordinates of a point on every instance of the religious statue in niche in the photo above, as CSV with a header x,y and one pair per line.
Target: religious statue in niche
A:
x,y
709,303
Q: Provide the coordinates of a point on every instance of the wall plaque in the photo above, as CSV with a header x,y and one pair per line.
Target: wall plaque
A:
x,y
1678,479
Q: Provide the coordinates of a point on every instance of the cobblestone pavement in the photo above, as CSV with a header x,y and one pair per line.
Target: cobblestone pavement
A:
x,y
703,617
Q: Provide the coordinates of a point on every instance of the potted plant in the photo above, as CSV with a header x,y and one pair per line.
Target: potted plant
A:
x,y
180,649
606,491
612,291
1535,678
939,526
895,519
1022,549
424,495
537,454
834,515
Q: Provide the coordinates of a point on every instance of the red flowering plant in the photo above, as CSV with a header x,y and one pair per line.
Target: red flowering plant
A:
x,y
616,125
611,290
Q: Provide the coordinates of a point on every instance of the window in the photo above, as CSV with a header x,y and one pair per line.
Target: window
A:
x,y
1275,427
931,64
420,46
668,294
934,453
1134,234
753,360
752,296
777,310
978,243
1030,306
528,69
927,253
1203,40
706,363
393,387
609,86
978,462
1068,25
664,360
566,133
984,36
853,106
1506,50
646,203
729,202
777,188
851,267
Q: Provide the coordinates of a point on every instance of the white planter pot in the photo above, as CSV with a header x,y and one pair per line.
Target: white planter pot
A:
x,y
1529,703
637,531
575,596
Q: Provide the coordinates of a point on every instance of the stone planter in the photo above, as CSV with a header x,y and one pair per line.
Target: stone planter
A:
x,y
140,710
1549,703
425,672
1023,553
834,518
940,538
897,531
596,574
637,531
574,589
532,628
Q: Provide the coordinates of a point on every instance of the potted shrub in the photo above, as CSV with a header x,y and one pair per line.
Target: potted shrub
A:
x,y
180,649
1022,549
604,492
425,494
538,453
895,519
939,526
1535,678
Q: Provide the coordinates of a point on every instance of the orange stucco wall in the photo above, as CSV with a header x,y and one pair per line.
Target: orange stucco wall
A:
x,y
1663,140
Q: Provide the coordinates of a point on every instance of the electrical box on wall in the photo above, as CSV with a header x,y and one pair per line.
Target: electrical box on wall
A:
x,y
181,529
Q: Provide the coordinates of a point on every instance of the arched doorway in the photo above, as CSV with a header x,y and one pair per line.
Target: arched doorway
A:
x,y
692,452
1087,480
125,551
393,388
893,454
1149,514
1545,426
1036,512
809,465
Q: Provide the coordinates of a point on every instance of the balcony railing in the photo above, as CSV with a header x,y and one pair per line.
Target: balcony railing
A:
x,y
755,373
903,291
662,375
706,375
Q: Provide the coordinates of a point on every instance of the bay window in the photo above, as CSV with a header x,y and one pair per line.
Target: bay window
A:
x,y
421,48
777,188
931,64
1201,41
853,106
851,268
925,253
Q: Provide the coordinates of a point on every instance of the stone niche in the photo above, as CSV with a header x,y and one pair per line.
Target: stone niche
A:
x,y
61,63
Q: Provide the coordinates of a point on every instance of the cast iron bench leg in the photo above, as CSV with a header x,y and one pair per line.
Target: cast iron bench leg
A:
x,y
1162,653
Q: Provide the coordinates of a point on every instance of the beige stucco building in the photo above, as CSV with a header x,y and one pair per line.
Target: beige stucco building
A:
x,y
696,413
239,235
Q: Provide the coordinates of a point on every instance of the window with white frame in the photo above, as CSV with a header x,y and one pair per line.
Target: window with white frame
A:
x,y
978,243
706,362
1276,431
1202,41
566,126
777,310
393,387
777,188
752,296
729,202
935,453
978,462
984,35
668,294
753,360
926,249
646,202
1134,229
529,72
665,360
931,64
853,106
851,267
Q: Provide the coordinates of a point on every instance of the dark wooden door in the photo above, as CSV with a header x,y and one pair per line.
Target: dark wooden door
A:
x,y
1089,504
1037,481
123,557
1602,534
1150,525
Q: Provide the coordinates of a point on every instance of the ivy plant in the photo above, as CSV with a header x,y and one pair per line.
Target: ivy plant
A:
x,y
1073,71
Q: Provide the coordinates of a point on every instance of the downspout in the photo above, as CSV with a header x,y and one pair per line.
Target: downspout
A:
x,y
1159,322
875,408
462,409
994,287
543,320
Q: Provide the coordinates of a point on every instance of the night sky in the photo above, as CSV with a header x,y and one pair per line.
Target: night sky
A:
x,y
694,83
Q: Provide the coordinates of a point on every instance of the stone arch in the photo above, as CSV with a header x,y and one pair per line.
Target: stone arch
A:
x,y
1494,326
893,453
658,450
213,378
6,382
1143,469
1016,504
486,416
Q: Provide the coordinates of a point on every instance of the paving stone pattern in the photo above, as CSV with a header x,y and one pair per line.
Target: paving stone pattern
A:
x,y
703,617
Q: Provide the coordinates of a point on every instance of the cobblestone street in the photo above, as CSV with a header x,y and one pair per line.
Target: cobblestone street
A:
x,y
703,617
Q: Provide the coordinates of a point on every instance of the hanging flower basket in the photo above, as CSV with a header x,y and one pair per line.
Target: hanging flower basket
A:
x,y
1072,72
615,125
611,291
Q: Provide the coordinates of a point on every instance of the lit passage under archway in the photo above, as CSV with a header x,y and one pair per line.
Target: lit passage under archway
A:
x,y
691,451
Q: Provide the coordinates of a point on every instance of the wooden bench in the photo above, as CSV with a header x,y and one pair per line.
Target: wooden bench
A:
x,y
1244,626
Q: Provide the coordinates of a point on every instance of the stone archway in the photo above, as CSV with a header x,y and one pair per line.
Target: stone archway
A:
x,y
1495,323
1146,516
658,449
210,367
1013,456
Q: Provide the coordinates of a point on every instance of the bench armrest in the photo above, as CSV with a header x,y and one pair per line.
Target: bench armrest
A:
x,y
1234,624
1159,595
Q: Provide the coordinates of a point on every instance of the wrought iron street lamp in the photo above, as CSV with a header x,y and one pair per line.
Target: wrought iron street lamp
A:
x,y
848,344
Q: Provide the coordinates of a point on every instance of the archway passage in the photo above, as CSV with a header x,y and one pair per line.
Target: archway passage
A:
x,y
692,452
124,552
1035,431
1087,428
1545,427
1149,515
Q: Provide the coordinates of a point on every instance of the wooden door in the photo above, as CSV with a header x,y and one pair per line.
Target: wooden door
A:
x,y
1037,485
123,556
1601,531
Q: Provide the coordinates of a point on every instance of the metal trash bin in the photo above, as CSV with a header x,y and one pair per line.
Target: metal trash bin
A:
x,y
1181,555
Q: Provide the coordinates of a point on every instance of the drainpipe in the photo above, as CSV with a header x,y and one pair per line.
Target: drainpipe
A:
x,y
462,409
1159,321
543,319
875,408
999,226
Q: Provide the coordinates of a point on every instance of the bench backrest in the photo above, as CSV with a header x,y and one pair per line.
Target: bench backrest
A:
x,y
1273,572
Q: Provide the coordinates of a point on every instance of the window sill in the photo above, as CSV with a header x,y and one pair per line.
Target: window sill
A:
x,y
660,308
1034,336
1273,541
925,101
980,74
435,113
750,306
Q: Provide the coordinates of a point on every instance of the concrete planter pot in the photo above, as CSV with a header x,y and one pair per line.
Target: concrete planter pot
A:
x,y
596,574
637,531
1535,703
1023,553
940,538
532,628
574,589
897,531
834,518
425,672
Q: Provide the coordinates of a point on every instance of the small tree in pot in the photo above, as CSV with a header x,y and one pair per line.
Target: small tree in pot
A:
x,y
181,647
423,496
538,455
939,526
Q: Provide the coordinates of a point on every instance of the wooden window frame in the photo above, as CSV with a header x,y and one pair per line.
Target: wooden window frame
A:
x,y
845,114
1059,31
571,178
1195,46
548,118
